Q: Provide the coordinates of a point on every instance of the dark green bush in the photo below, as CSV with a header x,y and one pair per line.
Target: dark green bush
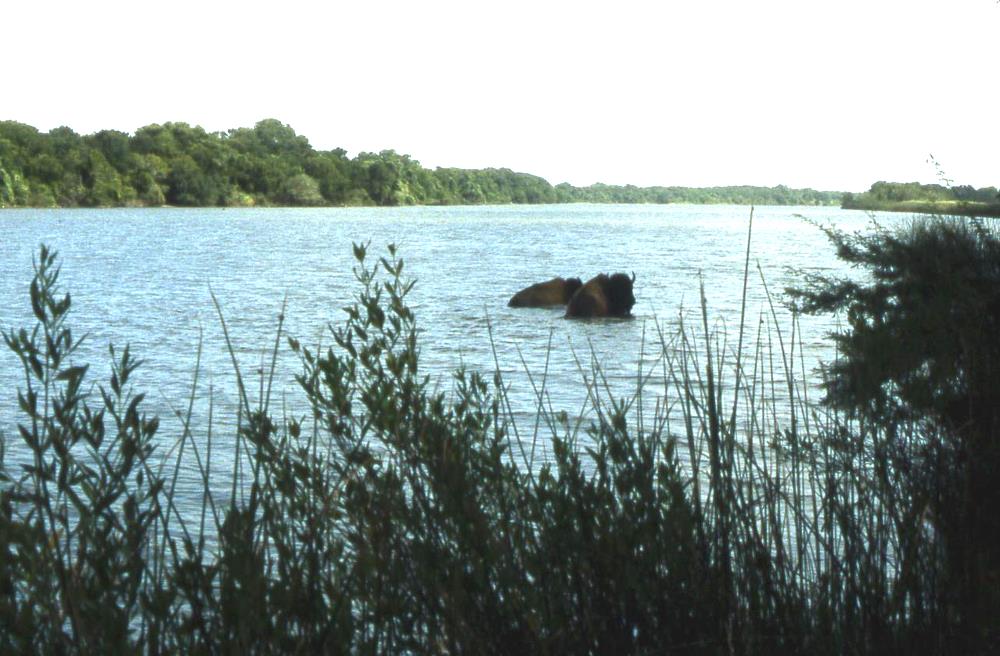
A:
x,y
922,346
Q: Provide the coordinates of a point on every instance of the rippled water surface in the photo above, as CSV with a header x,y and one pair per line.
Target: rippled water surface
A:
x,y
145,277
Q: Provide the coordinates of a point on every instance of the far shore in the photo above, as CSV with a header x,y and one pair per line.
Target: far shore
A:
x,y
942,207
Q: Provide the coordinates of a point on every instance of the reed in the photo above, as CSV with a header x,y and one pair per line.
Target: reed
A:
x,y
398,518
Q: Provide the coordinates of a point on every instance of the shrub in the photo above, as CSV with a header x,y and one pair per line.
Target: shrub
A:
x,y
401,519
921,346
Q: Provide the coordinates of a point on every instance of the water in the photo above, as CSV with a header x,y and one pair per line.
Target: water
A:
x,y
145,277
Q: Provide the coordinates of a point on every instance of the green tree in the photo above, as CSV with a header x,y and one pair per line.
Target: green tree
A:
x,y
921,347
332,171
188,185
72,153
149,178
19,143
155,139
114,146
379,175
46,168
63,141
276,138
7,194
103,185
14,189
301,190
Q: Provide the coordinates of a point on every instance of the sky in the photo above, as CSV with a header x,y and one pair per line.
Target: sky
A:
x,y
828,95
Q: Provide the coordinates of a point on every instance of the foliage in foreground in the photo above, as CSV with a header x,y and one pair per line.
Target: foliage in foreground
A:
x,y
402,519
922,346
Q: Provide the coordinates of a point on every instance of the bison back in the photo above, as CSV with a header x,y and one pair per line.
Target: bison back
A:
x,y
545,294
589,301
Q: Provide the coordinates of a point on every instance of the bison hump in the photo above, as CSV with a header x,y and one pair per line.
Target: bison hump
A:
x,y
545,294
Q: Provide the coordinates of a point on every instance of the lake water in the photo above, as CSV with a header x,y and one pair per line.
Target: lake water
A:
x,y
145,277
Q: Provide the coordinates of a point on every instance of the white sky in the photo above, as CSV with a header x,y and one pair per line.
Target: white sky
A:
x,y
830,95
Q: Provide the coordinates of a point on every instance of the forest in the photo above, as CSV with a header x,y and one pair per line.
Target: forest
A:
x,y
270,165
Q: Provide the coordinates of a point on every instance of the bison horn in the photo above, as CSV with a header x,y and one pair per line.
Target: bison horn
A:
x,y
633,276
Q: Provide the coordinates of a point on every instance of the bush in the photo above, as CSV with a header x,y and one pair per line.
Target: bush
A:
x,y
400,519
75,526
921,346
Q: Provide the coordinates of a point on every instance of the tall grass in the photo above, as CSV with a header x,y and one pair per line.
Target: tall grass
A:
x,y
740,518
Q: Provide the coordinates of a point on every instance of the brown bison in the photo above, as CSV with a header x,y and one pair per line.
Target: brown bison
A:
x,y
603,296
544,294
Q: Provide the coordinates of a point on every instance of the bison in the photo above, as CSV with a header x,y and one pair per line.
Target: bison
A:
x,y
603,296
545,294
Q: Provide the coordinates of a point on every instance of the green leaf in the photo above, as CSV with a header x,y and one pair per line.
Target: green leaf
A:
x,y
36,301
73,374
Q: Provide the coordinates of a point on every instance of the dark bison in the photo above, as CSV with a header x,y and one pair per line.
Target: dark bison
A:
x,y
603,296
543,294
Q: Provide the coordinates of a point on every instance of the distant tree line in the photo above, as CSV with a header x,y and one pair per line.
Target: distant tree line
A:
x,y
269,164
735,195
930,198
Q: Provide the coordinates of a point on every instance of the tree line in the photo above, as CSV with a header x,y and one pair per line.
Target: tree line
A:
x,y
270,165
926,198
730,195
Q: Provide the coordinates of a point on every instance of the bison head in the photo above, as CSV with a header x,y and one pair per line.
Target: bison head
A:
x,y
619,294
603,296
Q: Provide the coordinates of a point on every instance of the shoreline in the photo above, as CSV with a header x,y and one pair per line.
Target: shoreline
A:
x,y
949,208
